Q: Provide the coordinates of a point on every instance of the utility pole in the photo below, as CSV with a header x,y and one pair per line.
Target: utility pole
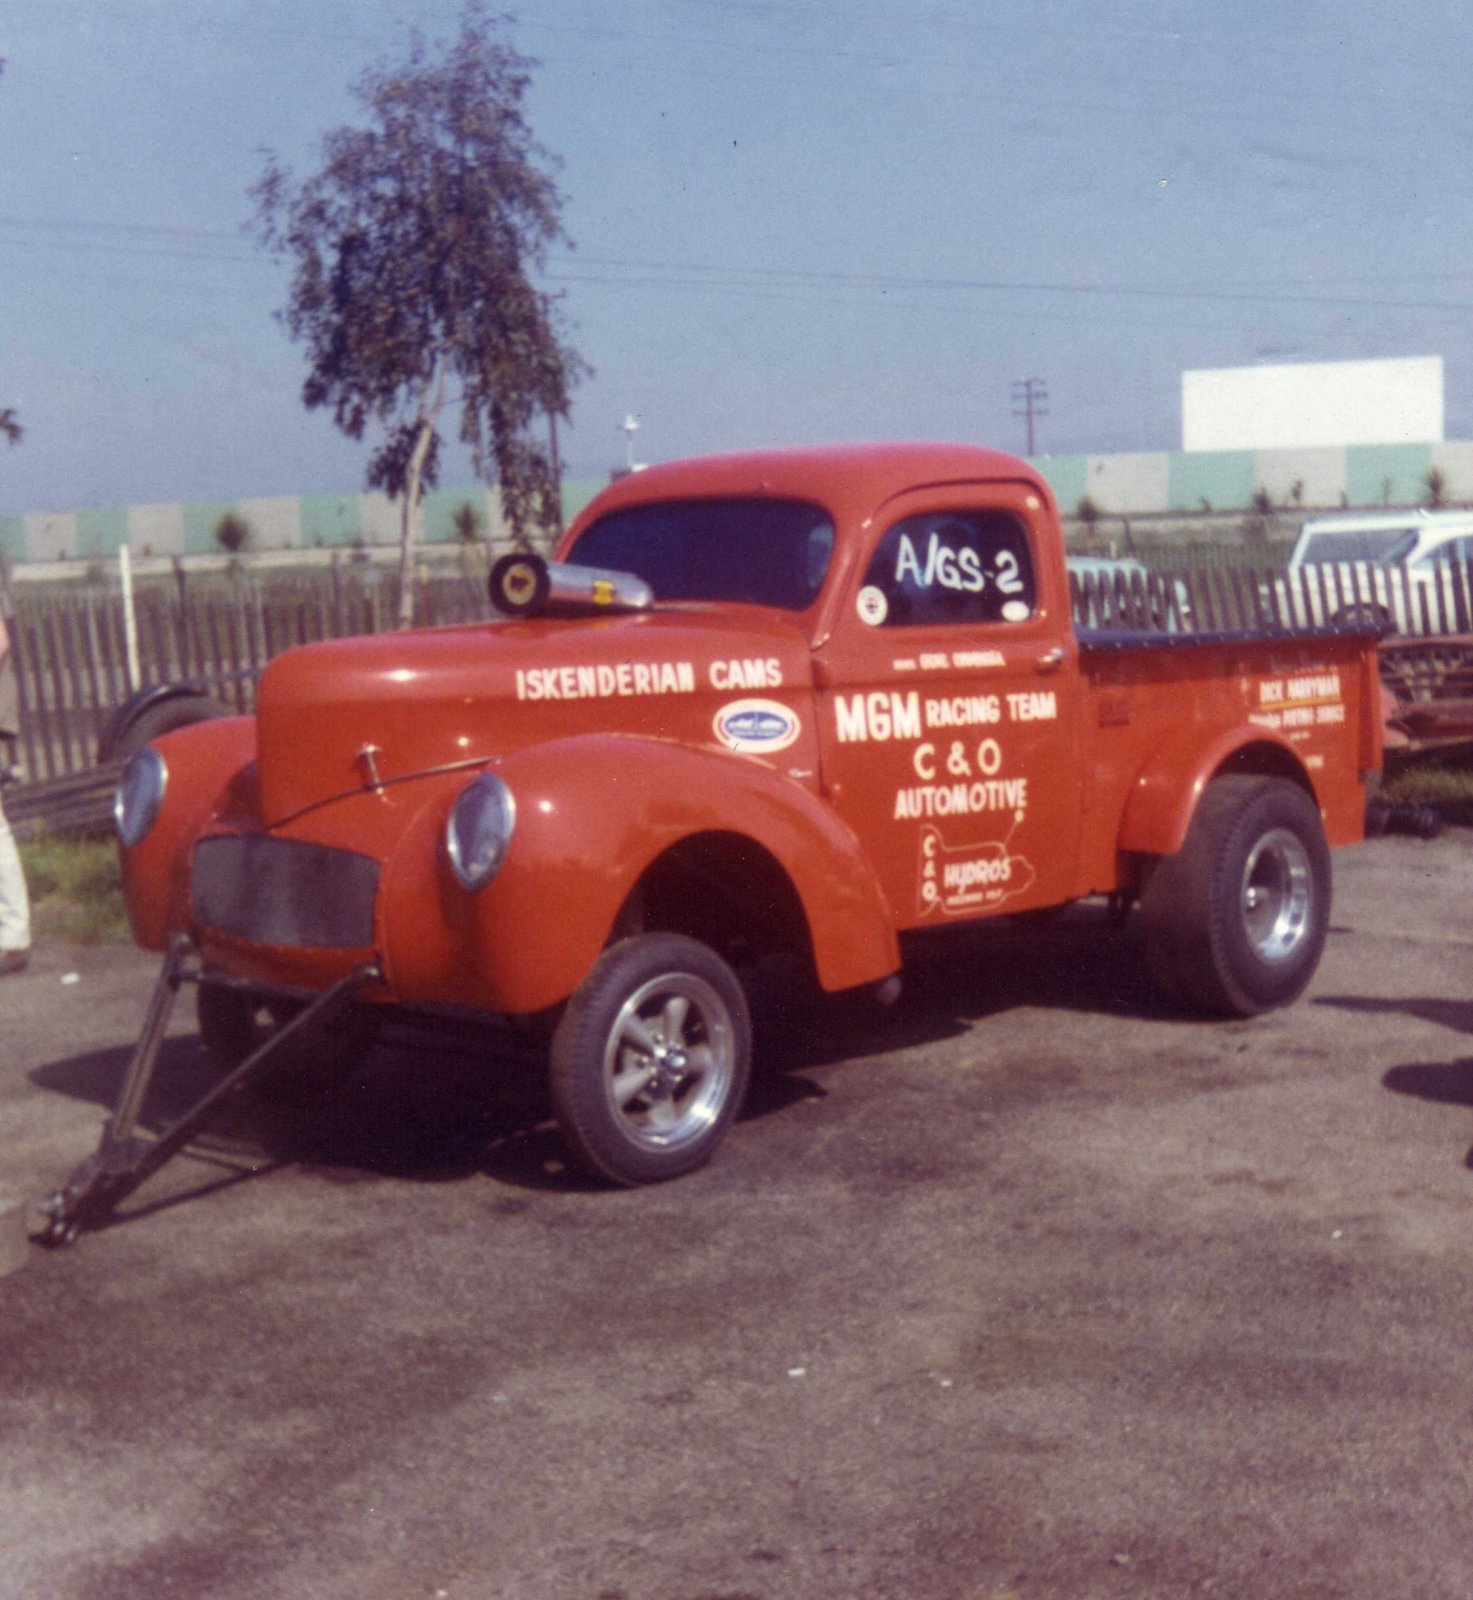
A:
x,y
1030,400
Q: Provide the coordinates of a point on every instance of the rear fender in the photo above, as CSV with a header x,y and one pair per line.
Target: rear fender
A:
x,y
1164,798
592,813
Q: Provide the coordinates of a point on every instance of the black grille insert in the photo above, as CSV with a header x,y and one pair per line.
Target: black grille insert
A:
x,y
282,891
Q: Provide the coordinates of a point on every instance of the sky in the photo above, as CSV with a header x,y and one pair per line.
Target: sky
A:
x,y
794,221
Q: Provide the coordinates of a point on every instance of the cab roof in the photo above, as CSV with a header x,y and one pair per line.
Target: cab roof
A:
x,y
850,480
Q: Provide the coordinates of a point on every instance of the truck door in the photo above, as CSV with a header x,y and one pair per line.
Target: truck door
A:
x,y
947,706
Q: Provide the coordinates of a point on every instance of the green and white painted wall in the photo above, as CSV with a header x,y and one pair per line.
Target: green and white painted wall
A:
x,y
1227,480
1119,485
284,522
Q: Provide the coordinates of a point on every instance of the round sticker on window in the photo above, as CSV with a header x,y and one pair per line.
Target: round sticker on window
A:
x,y
872,605
1015,611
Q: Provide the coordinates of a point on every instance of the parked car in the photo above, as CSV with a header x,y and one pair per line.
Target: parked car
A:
x,y
1403,571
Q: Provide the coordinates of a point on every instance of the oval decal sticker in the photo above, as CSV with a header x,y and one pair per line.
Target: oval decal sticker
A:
x,y
756,727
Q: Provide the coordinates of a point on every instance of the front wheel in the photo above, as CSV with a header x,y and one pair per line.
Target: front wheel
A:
x,y
1235,922
650,1059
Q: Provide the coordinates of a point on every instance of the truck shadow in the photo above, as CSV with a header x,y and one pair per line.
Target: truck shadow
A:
x,y
1081,962
1444,1013
417,1108
435,1106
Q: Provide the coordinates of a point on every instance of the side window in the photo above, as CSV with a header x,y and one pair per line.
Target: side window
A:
x,y
1455,551
950,567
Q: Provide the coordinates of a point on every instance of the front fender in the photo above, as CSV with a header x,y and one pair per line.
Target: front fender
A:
x,y
592,813
1164,798
207,765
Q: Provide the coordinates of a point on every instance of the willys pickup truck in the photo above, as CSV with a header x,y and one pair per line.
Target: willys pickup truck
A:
x,y
794,702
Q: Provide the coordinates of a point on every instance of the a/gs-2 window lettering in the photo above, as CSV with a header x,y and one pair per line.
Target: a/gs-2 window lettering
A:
x,y
950,567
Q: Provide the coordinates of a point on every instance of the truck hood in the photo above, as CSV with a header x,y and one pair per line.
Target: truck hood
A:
x,y
352,714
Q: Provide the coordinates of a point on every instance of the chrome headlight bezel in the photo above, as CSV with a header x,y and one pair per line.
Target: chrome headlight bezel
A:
x,y
478,831
139,795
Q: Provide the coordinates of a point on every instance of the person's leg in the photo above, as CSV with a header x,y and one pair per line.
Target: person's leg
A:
x,y
15,904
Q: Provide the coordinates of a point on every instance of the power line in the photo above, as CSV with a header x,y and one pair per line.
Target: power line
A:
x,y
732,278
163,230
794,277
873,67
1270,289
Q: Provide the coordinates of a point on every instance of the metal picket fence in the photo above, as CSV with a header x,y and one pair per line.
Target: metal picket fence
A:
x,y
72,660
74,665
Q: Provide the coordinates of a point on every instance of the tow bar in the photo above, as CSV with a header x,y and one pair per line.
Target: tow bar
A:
x,y
124,1159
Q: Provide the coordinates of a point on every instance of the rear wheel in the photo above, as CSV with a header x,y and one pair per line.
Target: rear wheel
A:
x,y
650,1059
234,1023
1235,922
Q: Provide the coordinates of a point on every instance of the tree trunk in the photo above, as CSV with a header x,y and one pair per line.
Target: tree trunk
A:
x,y
410,518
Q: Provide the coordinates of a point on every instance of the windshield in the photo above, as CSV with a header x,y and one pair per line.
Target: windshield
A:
x,y
1386,545
763,552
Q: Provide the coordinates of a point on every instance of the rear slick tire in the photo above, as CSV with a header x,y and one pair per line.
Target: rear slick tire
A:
x,y
1235,922
650,1060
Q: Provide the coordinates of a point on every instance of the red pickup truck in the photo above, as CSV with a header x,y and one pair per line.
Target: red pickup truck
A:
x,y
794,702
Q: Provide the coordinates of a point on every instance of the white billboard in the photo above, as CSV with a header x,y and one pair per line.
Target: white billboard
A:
x,y
1313,403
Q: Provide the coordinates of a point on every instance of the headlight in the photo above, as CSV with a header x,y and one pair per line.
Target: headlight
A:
x,y
140,794
479,830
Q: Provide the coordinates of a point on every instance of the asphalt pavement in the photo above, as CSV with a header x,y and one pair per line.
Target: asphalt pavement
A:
x,y
1023,1289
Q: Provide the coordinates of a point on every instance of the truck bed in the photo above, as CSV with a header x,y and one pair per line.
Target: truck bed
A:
x,y
1149,698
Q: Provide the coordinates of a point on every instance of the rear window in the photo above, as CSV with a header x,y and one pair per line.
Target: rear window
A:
x,y
1358,544
762,552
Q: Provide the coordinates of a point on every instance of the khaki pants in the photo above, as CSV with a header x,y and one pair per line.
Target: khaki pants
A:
x,y
15,903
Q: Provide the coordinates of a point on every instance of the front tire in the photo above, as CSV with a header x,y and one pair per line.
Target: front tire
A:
x,y
650,1059
1235,922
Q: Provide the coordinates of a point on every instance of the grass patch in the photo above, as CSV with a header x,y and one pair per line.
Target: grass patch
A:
x,y
1429,782
76,889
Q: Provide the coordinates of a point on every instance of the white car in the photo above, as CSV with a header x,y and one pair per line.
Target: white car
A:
x,y
1405,571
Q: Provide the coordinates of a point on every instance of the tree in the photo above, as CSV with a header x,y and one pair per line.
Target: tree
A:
x,y
233,533
467,523
412,249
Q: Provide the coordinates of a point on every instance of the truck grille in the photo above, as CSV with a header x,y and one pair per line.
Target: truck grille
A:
x,y
284,892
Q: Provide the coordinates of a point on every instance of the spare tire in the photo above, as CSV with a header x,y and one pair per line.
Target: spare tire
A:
x,y
164,716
